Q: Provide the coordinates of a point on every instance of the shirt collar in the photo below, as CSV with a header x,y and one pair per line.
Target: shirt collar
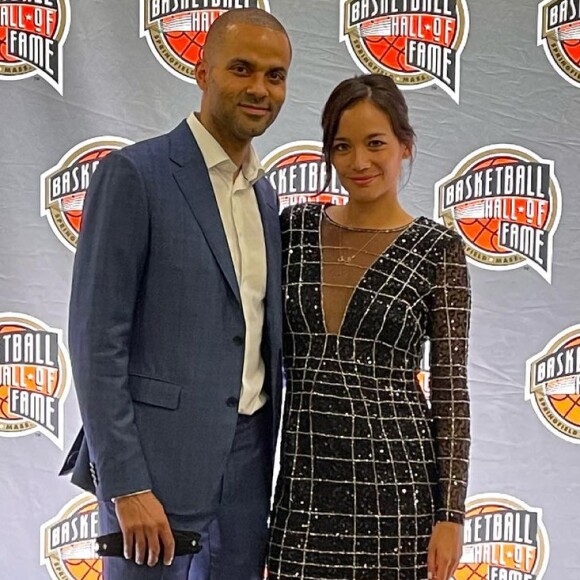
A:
x,y
214,155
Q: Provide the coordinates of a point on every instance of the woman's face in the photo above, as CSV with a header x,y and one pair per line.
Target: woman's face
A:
x,y
367,154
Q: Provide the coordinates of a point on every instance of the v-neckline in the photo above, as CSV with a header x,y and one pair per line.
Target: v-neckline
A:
x,y
357,287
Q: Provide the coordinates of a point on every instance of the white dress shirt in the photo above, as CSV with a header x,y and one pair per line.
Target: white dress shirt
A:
x,y
242,224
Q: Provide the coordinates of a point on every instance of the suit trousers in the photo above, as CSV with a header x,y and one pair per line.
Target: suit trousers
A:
x,y
234,538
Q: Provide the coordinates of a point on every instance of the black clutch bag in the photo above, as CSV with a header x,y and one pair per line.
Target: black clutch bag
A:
x,y
186,543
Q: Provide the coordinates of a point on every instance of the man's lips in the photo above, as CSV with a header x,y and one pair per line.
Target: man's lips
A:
x,y
255,109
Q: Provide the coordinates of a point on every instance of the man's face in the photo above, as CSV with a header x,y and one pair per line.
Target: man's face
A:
x,y
243,83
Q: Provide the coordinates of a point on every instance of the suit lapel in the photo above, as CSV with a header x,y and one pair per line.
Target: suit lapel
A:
x,y
271,225
193,180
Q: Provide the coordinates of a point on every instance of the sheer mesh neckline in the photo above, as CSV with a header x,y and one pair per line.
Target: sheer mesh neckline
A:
x,y
367,230
347,256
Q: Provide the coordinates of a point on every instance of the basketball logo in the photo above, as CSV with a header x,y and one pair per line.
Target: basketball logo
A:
x,y
559,33
34,378
416,42
31,39
505,202
67,541
553,384
297,172
176,31
503,539
63,187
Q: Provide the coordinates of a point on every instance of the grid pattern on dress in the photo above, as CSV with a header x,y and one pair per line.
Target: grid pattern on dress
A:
x,y
366,466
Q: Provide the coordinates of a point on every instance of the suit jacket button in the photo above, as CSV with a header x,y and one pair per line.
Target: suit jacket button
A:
x,y
238,340
232,402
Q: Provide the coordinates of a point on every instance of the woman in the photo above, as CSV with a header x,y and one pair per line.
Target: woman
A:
x,y
373,478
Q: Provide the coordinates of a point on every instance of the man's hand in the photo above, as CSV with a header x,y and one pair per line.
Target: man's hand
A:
x,y
146,527
445,549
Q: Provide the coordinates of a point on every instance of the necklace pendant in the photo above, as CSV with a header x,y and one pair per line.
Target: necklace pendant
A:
x,y
344,259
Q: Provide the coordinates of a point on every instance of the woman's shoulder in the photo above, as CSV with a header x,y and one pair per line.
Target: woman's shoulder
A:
x,y
298,215
437,234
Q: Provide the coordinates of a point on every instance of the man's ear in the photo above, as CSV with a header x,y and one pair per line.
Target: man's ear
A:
x,y
201,74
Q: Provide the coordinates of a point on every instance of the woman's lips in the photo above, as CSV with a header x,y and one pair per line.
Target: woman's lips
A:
x,y
363,180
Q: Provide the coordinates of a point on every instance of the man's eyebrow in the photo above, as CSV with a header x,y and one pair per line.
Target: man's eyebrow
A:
x,y
250,65
238,60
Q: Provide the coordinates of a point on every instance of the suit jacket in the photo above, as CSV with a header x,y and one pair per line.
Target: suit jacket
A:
x,y
156,331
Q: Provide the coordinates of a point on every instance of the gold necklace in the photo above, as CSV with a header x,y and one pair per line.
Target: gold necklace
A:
x,y
348,259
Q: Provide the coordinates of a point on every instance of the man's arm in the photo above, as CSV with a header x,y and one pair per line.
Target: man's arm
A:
x,y
109,263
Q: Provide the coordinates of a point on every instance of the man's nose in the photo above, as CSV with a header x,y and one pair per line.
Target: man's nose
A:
x,y
257,87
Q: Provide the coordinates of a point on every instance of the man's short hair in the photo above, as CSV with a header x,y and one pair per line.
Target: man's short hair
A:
x,y
254,16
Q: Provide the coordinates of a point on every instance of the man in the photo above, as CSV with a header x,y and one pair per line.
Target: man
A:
x,y
175,323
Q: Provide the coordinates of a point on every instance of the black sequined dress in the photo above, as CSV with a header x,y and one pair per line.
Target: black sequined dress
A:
x,y
367,466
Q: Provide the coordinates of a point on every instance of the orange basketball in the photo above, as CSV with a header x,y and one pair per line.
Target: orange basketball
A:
x,y
571,47
480,570
483,232
89,569
74,217
28,374
27,19
188,44
85,569
475,571
299,158
390,50
567,406
4,56
5,414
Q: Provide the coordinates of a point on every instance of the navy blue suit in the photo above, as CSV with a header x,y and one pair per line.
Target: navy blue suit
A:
x,y
156,329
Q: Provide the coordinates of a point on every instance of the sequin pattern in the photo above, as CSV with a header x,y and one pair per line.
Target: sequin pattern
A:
x,y
367,465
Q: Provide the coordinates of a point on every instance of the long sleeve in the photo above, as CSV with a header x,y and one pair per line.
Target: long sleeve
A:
x,y
109,264
449,330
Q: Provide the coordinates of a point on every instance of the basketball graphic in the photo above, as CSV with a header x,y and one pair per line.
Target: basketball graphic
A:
x,y
483,232
503,538
34,377
417,44
5,414
31,40
569,36
176,35
67,541
298,174
63,187
559,34
505,202
553,384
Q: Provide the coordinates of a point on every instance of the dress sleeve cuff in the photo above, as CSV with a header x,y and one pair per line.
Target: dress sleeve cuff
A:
x,y
130,494
445,515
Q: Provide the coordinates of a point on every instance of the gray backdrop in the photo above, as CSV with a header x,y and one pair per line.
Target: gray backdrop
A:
x,y
510,93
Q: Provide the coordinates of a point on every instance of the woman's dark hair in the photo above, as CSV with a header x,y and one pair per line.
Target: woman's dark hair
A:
x,y
380,90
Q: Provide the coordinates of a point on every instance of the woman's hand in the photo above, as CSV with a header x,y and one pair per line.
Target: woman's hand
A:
x,y
445,549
